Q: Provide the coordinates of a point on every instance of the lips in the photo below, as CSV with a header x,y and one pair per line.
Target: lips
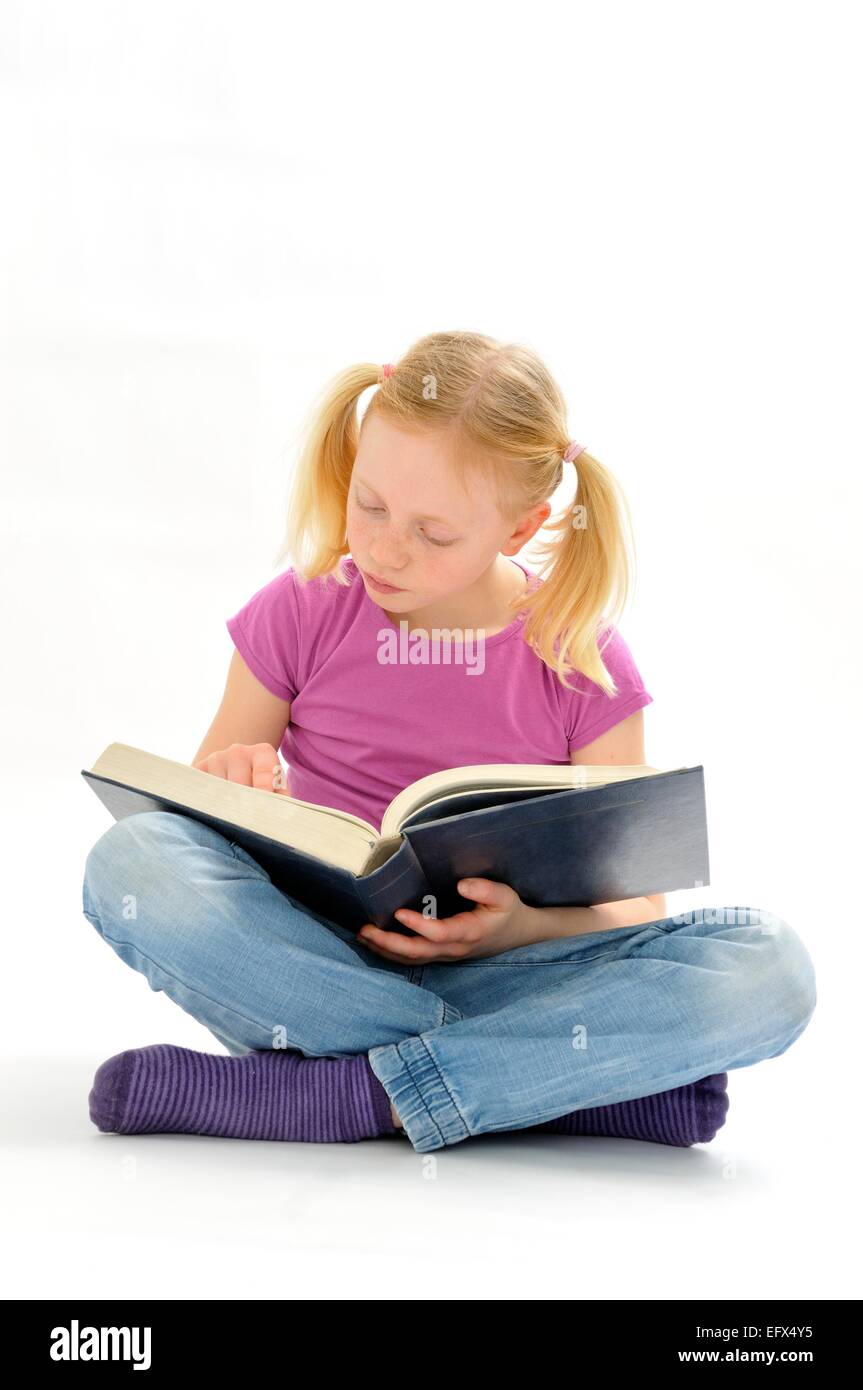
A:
x,y
382,583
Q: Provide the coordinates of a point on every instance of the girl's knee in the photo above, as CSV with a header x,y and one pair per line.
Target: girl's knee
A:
x,y
787,974
120,857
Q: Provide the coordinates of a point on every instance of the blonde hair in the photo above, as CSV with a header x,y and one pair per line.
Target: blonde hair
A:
x,y
503,417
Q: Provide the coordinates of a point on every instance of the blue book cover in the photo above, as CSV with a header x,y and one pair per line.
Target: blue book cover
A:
x,y
641,832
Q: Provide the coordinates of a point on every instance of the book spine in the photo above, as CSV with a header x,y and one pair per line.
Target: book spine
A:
x,y
400,882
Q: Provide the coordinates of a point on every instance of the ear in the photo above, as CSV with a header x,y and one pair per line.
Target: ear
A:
x,y
527,527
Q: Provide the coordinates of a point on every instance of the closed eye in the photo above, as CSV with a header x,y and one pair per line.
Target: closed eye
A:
x,y
430,539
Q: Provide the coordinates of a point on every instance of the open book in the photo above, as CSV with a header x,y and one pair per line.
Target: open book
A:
x,y
559,830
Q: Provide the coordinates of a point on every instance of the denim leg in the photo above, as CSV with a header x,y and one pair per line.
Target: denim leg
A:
x,y
201,920
583,1021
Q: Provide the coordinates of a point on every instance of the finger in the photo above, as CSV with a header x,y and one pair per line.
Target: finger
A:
x,y
266,767
439,930
487,892
214,764
237,765
452,938
385,955
402,948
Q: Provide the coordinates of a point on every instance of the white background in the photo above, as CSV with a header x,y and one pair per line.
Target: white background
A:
x,y
208,209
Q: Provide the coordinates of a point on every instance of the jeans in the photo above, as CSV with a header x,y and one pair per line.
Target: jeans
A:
x,y
461,1047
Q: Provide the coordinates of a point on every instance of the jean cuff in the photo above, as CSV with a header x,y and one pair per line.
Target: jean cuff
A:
x,y
413,1081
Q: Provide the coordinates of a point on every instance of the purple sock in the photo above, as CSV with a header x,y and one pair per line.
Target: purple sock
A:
x,y
687,1115
276,1094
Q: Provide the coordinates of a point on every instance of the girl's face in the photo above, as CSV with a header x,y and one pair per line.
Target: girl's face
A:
x,y
411,523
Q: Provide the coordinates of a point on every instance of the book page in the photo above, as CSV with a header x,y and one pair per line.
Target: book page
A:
x,y
439,786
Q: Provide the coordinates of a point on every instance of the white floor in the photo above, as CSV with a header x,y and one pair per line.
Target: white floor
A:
x,y
499,1216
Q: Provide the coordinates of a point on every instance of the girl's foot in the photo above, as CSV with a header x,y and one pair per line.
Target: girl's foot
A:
x,y
276,1094
686,1115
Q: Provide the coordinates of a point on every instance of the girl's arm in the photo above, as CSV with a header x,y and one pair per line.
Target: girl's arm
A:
x,y
248,714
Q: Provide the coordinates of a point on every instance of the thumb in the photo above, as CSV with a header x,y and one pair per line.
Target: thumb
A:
x,y
484,891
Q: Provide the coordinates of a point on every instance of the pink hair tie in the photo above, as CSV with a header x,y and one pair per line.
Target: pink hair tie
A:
x,y
386,370
573,450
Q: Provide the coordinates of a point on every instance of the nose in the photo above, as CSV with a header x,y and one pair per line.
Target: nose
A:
x,y
388,557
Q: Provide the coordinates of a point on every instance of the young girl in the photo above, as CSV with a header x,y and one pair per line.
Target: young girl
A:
x,y
613,1019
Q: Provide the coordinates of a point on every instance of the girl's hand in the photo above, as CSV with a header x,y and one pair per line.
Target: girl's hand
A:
x,y
252,764
497,923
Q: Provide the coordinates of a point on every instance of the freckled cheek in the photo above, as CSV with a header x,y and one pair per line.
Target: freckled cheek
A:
x,y
440,568
357,531
362,536
367,542
437,566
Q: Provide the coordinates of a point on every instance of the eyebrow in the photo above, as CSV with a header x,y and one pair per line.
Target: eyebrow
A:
x,y
441,519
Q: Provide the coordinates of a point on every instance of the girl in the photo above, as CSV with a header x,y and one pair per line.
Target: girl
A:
x,y
613,1019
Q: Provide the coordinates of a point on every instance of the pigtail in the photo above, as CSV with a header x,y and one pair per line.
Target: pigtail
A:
x,y
589,558
315,537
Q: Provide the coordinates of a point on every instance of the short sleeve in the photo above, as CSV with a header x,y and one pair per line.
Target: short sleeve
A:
x,y
588,710
266,633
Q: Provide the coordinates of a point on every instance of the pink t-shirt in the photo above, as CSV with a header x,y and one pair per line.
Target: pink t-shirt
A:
x,y
366,719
